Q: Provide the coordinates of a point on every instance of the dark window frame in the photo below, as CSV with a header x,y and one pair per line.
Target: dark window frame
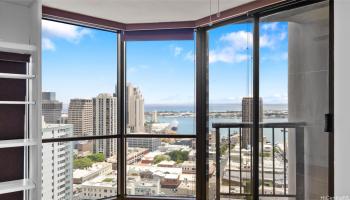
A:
x,y
201,96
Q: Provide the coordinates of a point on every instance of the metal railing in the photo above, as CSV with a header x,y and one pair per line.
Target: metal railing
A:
x,y
234,155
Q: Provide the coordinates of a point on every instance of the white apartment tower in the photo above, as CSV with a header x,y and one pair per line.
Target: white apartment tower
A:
x,y
56,171
154,117
105,123
135,111
51,108
80,115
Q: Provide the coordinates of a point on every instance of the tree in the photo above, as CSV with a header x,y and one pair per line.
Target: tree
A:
x,y
108,180
82,163
223,148
178,156
97,157
160,158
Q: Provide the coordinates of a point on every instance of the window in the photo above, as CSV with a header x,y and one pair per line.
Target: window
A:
x,y
294,83
161,103
92,136
79,100
230,101
291,89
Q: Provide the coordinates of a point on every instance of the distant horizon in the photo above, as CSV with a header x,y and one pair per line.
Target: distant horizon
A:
x,y
190,104
221,107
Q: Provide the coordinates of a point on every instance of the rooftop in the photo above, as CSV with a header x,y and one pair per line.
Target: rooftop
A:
x,y
100,181
79,173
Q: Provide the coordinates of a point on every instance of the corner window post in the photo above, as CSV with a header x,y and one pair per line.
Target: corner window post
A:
x,y
202,60
255,138
121,115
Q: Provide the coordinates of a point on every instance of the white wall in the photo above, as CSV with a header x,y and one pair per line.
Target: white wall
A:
x,y
14,26
342,96
308,95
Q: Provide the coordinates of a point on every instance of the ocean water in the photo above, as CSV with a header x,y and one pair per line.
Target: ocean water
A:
x,y
187,124
212,107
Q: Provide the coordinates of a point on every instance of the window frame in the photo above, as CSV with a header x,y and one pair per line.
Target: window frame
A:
x,y
201,93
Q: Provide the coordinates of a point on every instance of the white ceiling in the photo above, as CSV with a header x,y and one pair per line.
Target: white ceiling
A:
x,y
19,2
144,11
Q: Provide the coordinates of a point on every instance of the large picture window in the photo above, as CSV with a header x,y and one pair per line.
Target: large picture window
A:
x,y
78,103
230,110
160,99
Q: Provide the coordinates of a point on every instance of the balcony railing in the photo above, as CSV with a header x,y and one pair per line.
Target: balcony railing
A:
x,y
281,160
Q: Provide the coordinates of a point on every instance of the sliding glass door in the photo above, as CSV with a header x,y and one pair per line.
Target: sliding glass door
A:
x,y
294,80
286,111
230,102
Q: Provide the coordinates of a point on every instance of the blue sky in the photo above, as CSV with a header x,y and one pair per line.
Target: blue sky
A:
x,y
80,63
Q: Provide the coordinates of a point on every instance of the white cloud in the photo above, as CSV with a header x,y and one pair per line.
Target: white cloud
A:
x,y
226,55
234,48
271,40
270,26
273,34
177,51
283,35
47,44
239,39
68,32
266,41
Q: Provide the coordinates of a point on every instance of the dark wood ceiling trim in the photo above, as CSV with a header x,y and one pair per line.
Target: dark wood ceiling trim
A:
x,y
163,34
76,18
235,12
160,25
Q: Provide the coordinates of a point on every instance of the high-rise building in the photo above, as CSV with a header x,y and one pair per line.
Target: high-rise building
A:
x,y
80,115
105,123
57,169
154,117
115,94
247,116
51,108
151,144
48,95
135,111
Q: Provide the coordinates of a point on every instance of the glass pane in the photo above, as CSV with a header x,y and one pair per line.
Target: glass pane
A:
x,y
161,167
294,71
79,99
71,170
79,77
230,98
160,89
